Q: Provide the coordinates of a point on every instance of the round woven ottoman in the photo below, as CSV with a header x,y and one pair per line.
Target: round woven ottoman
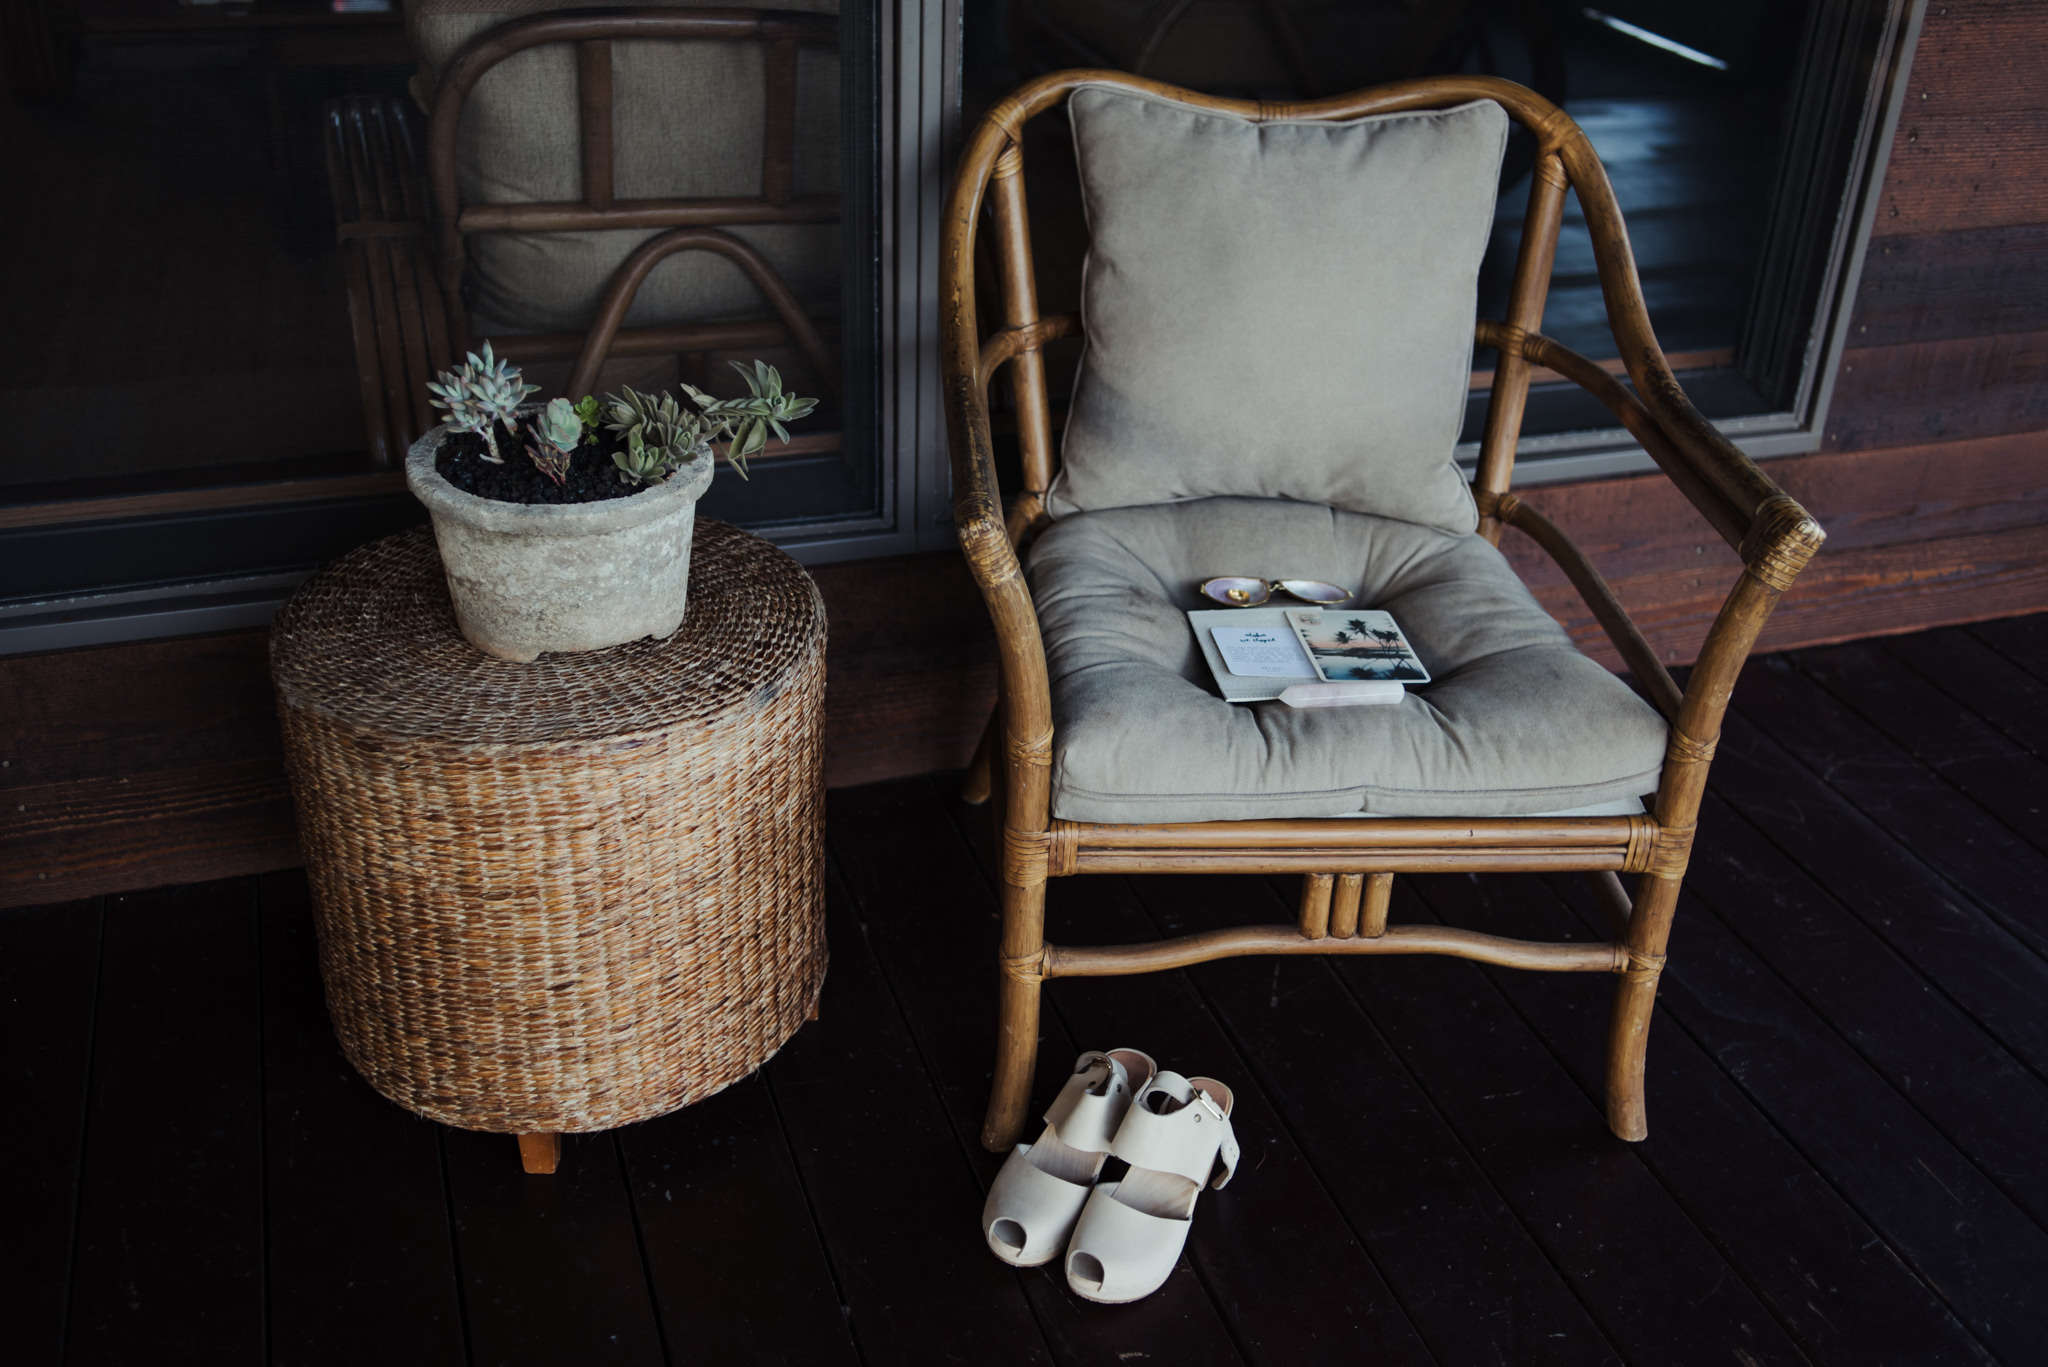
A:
x,y
566,895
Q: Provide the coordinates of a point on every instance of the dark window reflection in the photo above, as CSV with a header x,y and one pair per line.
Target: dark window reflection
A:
x,y
178,307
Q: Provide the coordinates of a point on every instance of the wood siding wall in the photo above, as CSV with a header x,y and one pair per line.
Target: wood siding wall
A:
x,y
141,765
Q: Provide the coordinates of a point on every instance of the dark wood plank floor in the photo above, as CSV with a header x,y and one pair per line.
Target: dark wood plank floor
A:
x,y
1848,1160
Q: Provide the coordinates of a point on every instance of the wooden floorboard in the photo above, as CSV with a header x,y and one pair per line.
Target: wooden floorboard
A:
x,y
360,1256
169,1261
1978,677
1317,1288
1933,1205
1881,1005
2000,775
550,1265
1418,1199
891,1189
1848,1087
732,1254
1582,1194
1993,866
1834,1284
940,984
1980,964
2023,640
49,973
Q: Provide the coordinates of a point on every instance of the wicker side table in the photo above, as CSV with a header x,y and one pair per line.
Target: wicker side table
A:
x,y
567,895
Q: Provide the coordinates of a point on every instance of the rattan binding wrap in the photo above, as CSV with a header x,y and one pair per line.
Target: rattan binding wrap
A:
x,y
566,895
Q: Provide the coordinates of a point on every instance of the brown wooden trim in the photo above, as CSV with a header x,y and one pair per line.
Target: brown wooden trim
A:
x,y
1364,839
173,501
122,832
1682,363
1692,477
1969,55
1947,390
645,213
1076,961
1448,857
1640,524
912,664
1952,171
1930,287
648,341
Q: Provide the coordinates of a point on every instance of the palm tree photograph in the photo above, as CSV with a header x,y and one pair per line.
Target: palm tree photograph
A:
x,y
1365,645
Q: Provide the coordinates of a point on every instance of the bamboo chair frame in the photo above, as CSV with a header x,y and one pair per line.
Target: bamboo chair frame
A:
x,y
1348,865
406,299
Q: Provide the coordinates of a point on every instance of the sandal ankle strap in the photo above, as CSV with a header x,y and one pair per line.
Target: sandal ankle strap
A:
x,y
1187,1141
1089,1107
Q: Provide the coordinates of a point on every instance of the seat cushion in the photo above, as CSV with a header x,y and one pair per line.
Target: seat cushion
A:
x,y
1514,722
1279,309
688,122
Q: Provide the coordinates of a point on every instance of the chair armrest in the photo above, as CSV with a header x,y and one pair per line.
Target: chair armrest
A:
x,y
987,541
1772,533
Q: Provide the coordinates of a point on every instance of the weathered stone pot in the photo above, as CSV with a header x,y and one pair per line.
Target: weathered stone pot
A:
x,y
528,578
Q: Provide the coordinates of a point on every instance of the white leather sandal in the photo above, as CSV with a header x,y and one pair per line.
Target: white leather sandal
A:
x,y
1040,1191
1177,1138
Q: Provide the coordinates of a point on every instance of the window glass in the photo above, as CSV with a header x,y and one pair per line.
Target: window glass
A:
x,y
234,277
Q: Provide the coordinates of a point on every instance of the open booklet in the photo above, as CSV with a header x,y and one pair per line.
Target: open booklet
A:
x,y
1311,657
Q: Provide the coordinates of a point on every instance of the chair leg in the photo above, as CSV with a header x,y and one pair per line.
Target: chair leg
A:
x,y
1379,891
1628,1037
1315,905
1020,959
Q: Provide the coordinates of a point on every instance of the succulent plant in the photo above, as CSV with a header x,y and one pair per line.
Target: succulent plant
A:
x,y
559,430
746,423
481,395
660,434
641,463
559,426
590,412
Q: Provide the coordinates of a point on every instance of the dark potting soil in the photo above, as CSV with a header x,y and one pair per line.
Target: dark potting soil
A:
x,y
462,461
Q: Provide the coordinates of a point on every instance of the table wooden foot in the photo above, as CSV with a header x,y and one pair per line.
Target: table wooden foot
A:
x,y
540,1152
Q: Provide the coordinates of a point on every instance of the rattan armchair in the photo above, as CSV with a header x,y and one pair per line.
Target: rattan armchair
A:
x,y
1347,865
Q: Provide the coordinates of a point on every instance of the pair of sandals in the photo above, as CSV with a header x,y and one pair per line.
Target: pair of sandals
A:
x,y
1122,1238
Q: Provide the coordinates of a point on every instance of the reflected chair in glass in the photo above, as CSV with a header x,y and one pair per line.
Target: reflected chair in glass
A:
x,y
542,193
1033,569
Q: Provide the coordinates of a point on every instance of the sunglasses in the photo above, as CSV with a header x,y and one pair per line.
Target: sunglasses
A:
x,y
1239,592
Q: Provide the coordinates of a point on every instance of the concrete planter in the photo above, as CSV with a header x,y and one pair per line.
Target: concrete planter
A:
x,y
528,578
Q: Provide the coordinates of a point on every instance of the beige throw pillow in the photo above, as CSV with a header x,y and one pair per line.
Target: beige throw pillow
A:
x,y
1277,310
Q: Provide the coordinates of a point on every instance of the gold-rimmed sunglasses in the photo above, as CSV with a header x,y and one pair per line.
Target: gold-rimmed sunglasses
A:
x,y
1239,591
